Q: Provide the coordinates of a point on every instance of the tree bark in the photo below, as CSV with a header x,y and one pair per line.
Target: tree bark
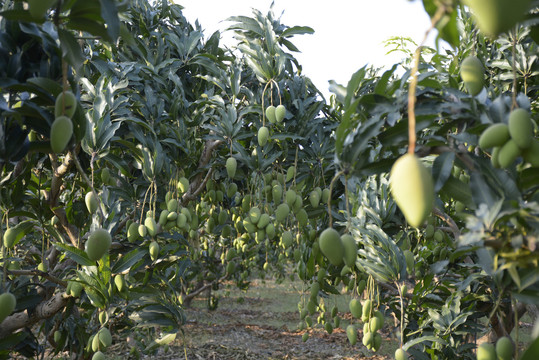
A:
x,y
44,310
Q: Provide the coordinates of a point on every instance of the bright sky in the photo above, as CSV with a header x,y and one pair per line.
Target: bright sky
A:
x,y
348,33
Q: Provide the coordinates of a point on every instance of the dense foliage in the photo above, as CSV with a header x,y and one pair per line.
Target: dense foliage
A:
x,y
188,166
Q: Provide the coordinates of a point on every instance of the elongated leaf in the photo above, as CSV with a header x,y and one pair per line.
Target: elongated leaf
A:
x,y
71,49
109,12
125,262
532,353
441,169
77,255
422,339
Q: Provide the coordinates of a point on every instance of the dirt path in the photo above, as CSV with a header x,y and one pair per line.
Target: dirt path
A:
x,y
262,324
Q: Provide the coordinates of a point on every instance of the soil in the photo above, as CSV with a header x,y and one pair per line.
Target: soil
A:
x,y
262,323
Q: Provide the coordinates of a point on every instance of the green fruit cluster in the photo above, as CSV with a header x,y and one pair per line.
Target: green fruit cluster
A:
x,y
62,126
275,114
412,188
100,341
510,141
503,350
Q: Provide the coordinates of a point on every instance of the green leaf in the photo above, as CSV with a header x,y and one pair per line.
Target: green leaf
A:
x,y
297,30
109,12
71,49
441,169
532,353
125,262
422,339
77,255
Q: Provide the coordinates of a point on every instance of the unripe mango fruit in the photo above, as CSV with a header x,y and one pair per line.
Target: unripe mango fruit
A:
x,y
151,226
497,16
350,250
98,355
351,334
531,154
493,136
231,166
154,250
183,184
400,355
504,348
280,112
105,338
7,305
119,281
412,188
473,74
263,136
66,104
290,173
331,246
521,128
98,244
277,192
61,132
486,351
287,239
282,212
270,114
356,308
91,202
508,154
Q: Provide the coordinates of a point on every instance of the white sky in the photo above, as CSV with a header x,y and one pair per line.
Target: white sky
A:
x,y
348,33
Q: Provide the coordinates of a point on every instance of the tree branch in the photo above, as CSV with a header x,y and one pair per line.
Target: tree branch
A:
x,y
44,310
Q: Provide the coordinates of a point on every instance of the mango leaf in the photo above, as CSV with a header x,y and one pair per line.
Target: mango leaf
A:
x,y
441,169
422,339
532,353
77,255
125,262
109,13
71,49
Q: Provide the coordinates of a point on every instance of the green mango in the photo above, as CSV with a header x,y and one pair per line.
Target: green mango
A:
x,y
91,202
98,244
8,302
351,333
412,188
473,74
280,112
497,16
350,250
263,136
355,308
508,154
494,135
504,348
66,102
486,351
231,166
331,246
270,114
61,132
521,128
